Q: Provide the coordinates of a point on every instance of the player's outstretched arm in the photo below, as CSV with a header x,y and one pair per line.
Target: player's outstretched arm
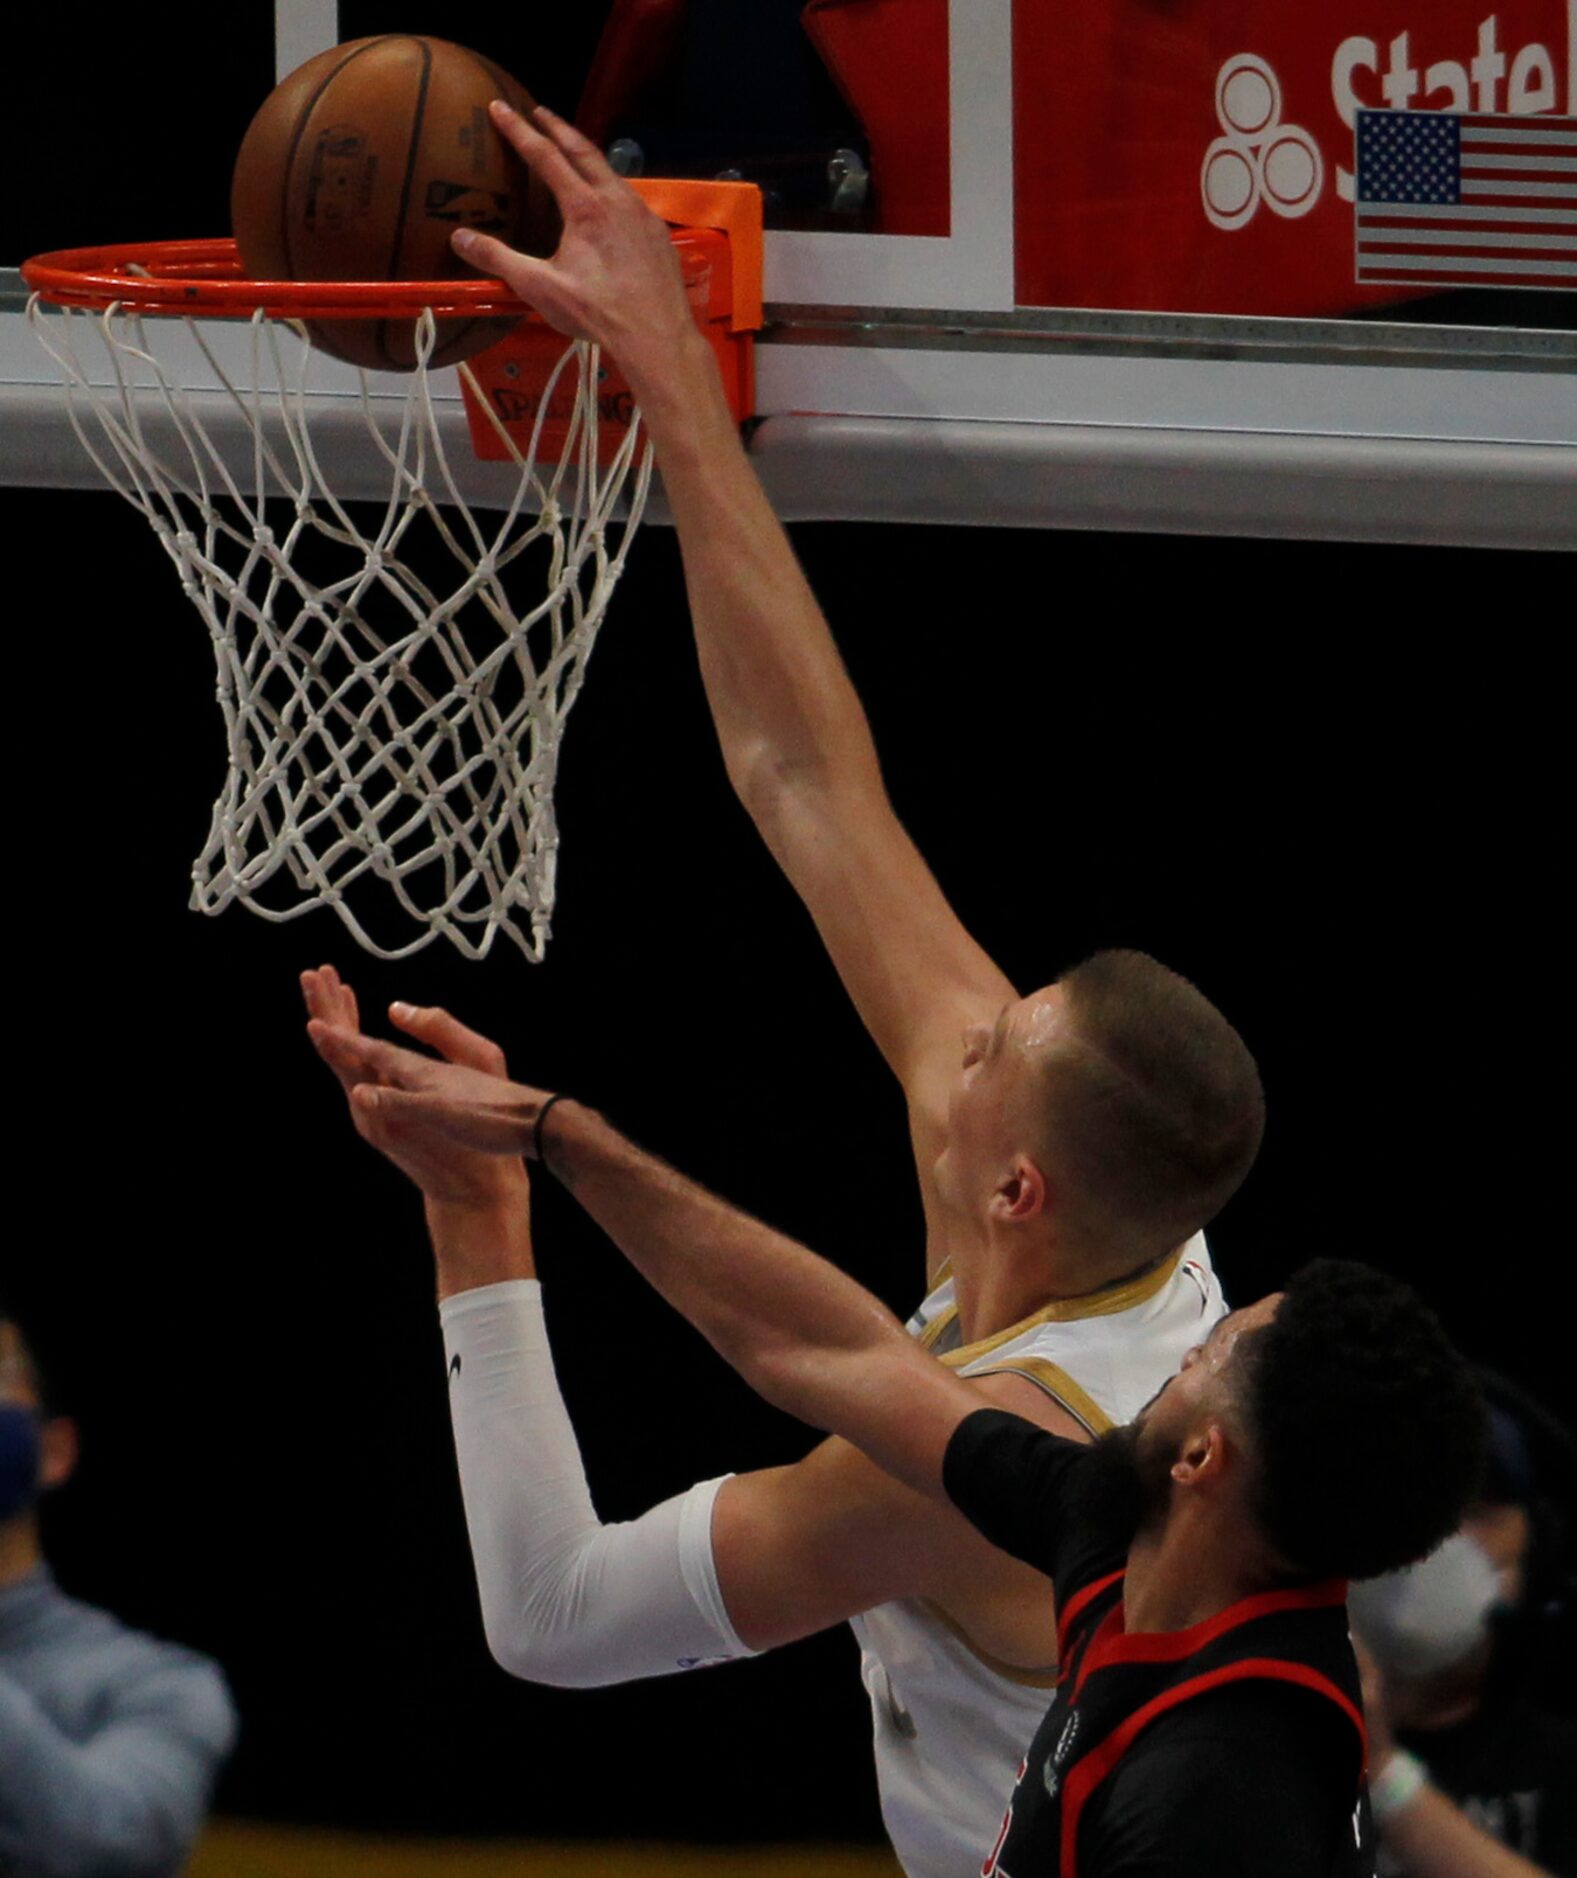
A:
x,y
565,1598
802,1334
726,1568
794,736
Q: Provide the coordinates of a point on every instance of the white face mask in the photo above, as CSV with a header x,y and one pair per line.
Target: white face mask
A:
x,y
1431,1616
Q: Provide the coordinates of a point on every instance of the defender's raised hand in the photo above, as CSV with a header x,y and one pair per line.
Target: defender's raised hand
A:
x,y
614,279
447,1172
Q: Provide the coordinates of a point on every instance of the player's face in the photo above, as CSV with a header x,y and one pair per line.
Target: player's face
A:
x,y
1203,1383
989,1111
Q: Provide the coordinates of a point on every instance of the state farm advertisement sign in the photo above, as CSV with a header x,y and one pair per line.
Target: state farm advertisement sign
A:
x,y
1194,157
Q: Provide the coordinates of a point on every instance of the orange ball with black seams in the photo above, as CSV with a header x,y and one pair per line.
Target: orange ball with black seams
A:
x,y
361,165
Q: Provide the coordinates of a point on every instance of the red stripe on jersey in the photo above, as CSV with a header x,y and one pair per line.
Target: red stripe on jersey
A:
x,y
1077,1603
1166,1646
1088,1774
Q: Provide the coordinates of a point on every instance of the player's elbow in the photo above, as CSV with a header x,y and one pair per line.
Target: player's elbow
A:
x,y
797,788
765,777
547,1632
556,1662
529,1660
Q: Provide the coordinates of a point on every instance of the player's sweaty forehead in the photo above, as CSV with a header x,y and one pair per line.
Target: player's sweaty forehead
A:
x,y
1226,1333
1034,1022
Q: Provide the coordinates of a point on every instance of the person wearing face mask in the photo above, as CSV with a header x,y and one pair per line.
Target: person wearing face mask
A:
x,y
1473,1770
109,1740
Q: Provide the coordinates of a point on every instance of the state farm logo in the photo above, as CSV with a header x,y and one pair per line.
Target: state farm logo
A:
x,y
1257,158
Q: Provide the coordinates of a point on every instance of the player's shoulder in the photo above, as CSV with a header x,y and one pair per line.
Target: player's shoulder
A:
x,y
1249,1771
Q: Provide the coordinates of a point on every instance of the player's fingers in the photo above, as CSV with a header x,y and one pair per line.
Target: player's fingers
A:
x,y
320,1010
341,1001
364,1059
537,282
540,153
336,1047
488,255
329,997
589,164
449,1037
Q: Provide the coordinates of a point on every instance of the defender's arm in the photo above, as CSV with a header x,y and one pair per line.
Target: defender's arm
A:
x,y
804,1336
778,1554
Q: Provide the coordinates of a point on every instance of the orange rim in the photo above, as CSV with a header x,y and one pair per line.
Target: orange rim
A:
x,y
206,278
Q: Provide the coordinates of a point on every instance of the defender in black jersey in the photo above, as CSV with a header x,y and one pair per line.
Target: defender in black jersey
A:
x,y
1133,1770
1206,1722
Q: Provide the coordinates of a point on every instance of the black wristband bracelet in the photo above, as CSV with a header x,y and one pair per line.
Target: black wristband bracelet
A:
x,y
536,1132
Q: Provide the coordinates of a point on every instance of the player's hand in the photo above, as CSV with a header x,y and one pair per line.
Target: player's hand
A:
x,y
615,278
464,1102
447,1172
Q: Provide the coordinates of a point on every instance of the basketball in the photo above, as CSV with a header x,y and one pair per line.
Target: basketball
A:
x,y
363,163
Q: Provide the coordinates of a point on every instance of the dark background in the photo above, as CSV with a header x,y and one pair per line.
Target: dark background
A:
x,y
1323,781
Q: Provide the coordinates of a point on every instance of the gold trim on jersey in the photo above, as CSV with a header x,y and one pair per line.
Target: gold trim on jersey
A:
x,y
1010,1672
1056,1382
933,1330
1122,1296
1084,1409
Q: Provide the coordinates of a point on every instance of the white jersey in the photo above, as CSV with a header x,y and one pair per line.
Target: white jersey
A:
x,y
952,1723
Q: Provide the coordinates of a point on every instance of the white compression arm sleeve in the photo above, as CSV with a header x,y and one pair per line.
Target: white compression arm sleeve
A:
x,y
565,1599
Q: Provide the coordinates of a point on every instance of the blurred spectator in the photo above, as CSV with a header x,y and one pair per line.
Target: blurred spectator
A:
x,y
109,1740
1471,1760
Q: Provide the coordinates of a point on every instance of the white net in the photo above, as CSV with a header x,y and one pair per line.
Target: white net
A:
x,y
392,721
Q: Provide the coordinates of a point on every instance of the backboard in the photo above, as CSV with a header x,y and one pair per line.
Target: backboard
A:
x,y
1085,267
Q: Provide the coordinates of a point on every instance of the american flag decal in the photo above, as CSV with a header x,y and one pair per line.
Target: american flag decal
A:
x,y
1467,201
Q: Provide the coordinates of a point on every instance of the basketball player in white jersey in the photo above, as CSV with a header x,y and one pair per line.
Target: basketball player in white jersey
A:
x,y
1070,1146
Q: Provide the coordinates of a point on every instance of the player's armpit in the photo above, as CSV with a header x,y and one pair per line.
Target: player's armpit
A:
x,y
800,1548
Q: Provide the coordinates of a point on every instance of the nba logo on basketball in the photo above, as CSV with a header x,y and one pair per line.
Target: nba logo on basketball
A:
x,y
340,179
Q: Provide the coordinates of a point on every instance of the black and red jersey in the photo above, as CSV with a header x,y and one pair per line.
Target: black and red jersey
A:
x,y
1233,1749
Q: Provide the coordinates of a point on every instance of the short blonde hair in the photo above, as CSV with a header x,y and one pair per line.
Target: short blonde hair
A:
x,y
1155,1105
